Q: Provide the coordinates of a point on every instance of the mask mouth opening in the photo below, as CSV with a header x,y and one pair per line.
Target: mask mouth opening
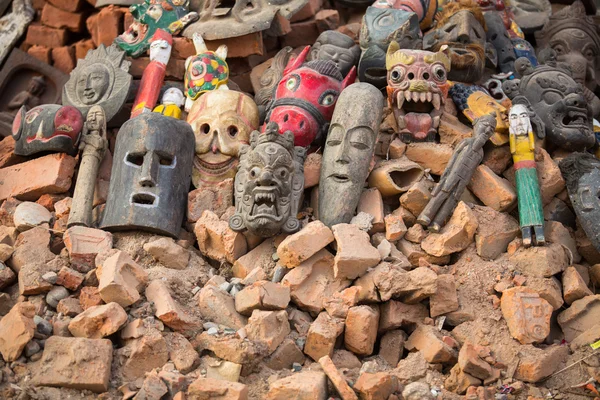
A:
x,y
144,199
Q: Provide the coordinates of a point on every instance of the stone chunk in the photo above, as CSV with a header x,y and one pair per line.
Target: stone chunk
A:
x,y
355,254
299,247
445,299
217,241
285,356
494,232
432,156
167,309
44,175
259,257
455,236
540,261
371,203
7,276
338,380
410,287
99,321
391,346
417,197
397,315
218,306
339,304
310,385
471,362
492,190
214,197
84,244
181,352
232,347
28,215
75,363
269,327
548,289
574,288
209,388
31,281
31,247
556,232
69,306
428,341
322,335
581,316
262,295
89,297
16,330
377,386
536,364
120,278
313,281
413,252
527,314
459,381
361,329
168,253
69,278
394,227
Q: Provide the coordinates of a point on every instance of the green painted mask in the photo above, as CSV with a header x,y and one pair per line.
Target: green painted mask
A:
x,y
169,15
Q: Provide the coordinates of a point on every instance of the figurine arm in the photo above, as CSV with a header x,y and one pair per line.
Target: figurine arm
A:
x,y
513,143
531,141
18,101
449,167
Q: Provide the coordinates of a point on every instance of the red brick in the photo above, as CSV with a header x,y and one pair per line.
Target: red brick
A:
x,y
30,180
302,34
57,18
308,11
67,5
44,54
92,26
46,36
82,47
242,46
7,155
182,48
327,20
38,4
64,58
110,24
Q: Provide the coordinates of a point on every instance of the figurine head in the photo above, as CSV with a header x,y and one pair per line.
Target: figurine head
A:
x,y
380,27
484,128
498,36
47,128
575,38
306,96
559,102
96,120
338,48
461,26
222,121
173,96
148,18
348,152
524,49
418,86
37,85
101,78
518,118
269,184
150,176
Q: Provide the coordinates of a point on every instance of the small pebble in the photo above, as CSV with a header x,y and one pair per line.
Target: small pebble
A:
x,y
32,348
279,274
44,327
213,331
296,367
275,257
55,295
36,356
236,281
225,286
234,290
229,331
208,325
50,277
195,289
300,342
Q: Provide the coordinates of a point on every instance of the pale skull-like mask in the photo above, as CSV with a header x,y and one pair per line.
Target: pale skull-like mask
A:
x,y
222,121
269,184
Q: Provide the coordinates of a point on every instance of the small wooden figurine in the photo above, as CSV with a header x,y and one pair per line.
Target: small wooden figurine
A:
x,y
171,103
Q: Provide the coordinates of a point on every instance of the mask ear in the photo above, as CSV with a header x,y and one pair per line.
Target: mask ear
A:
x,y
295,63
18,123
350,78
222,51
470,114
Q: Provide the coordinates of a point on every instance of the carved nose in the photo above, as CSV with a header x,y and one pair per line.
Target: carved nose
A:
x,y
463,38
266,178
574,100
214,144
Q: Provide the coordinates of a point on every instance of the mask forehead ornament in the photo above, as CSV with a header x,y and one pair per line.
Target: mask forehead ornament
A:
x,y
269,184
222,121
530,15
150,176
102,79
417,90
348,152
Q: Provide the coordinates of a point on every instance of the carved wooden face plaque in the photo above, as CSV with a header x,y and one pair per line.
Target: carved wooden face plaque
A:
x,y
425,9
417,89
222,121
338,48
101,78
269,184
574,37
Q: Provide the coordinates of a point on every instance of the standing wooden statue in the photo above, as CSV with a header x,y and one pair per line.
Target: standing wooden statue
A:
x,y
522,148
94,144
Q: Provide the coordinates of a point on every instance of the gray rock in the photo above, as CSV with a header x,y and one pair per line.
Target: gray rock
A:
x,y
29,214
32,348
44,327
50,277
55,295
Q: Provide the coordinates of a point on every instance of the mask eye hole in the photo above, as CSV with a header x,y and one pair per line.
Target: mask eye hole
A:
x,y
426,75
439,72
135,158
232,131
165,159
205,128
397,75
254,172
328,98
293,82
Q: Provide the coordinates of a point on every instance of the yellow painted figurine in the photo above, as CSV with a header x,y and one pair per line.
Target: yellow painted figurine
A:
x,y
171,103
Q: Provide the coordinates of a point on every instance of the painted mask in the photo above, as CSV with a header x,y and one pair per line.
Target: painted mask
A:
x,y
530,15
306,96
222,121
379,28
425,9
582,175
205,71
574,37
494,88
150,176
524,49
348,152
498,36
559,102
269,184
148,17
336,47
460,26
475,102
417,90
102,79
47,128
